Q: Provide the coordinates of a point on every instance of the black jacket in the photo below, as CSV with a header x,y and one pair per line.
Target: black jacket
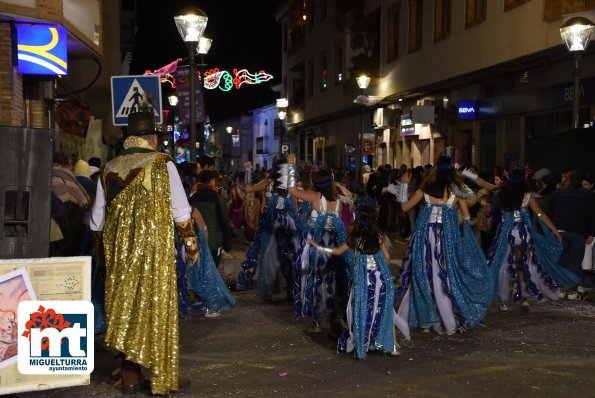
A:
x,y
573,210
212,207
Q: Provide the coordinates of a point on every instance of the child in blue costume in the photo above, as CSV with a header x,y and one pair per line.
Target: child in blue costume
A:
x,y
520,253
444,282
202,278
370,313
314,276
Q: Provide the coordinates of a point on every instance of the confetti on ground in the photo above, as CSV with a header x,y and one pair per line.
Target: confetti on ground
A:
x,y
282,374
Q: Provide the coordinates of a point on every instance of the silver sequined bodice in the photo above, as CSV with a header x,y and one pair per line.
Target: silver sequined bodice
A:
x,y
370,262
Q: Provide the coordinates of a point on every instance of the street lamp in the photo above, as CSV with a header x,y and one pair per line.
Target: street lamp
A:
x,y
282,104
576,34
362,82
204,45
191,24
173,101
229,129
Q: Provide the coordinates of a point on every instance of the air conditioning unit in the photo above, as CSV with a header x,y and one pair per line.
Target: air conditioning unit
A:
x,y
385,118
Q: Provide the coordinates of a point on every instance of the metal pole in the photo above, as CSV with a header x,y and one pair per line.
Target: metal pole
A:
x,y
281,134
191,50
576,95
358,144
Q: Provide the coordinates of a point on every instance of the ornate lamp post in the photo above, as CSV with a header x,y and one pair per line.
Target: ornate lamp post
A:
x,y
362,82
282,105
576,34
173,102
191,24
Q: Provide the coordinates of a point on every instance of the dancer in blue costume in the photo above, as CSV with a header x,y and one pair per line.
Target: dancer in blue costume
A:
x,y
245,277
202,278
370,314
279,242
444,283
314,276
520,253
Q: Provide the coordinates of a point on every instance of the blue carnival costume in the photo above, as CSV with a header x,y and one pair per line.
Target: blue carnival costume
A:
x,y
444,283
314,277
274,247
204,280
370,313
541,274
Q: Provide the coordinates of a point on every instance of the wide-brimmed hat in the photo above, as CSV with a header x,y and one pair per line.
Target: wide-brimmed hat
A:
x,y
142,123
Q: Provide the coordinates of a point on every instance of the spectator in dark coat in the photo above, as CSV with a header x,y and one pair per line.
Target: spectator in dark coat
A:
x,y
573,213
211,205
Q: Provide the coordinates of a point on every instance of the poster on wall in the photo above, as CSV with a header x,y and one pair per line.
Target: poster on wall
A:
x,y
15,287
44,279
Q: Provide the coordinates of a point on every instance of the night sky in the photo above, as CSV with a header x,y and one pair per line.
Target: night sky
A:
x,y
245,35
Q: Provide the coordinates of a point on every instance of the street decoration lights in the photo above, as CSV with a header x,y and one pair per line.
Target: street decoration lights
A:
x,y
576,34
191,24
362,82
281,104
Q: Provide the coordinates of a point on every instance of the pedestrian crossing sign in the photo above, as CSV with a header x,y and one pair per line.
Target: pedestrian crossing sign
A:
x,y
128,92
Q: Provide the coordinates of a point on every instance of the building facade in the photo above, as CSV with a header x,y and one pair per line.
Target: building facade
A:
x,y
93,56
491,77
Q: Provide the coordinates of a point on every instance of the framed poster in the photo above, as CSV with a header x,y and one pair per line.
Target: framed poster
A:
x,y
14,288
58,278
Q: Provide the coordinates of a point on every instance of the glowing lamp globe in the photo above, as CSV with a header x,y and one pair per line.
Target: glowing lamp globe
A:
x,y
576,33
191,24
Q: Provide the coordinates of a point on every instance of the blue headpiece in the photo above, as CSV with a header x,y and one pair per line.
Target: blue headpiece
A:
x,y
324,184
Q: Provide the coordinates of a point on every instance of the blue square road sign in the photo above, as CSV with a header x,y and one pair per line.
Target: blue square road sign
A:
x,y
129,92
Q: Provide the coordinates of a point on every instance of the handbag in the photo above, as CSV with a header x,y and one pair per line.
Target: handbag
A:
x,y
588,264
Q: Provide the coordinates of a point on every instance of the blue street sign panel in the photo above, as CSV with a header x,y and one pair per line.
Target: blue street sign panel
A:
x,y
129,92
41,50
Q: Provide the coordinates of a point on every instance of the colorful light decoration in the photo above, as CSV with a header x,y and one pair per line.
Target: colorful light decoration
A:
x,y
216,78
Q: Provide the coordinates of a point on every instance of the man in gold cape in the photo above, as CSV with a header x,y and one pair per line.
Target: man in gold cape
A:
x,y
139,197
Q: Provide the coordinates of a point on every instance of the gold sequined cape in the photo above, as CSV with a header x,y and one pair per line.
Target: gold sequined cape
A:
x,y
141,305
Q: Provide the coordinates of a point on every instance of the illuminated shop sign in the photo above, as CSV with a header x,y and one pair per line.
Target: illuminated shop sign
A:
x,y
466,110
407,126
41,50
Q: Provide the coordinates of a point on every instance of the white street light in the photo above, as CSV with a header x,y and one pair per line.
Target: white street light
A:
x,y
281,104
191,24
363,81
229,129
576,34
204,45
173,100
